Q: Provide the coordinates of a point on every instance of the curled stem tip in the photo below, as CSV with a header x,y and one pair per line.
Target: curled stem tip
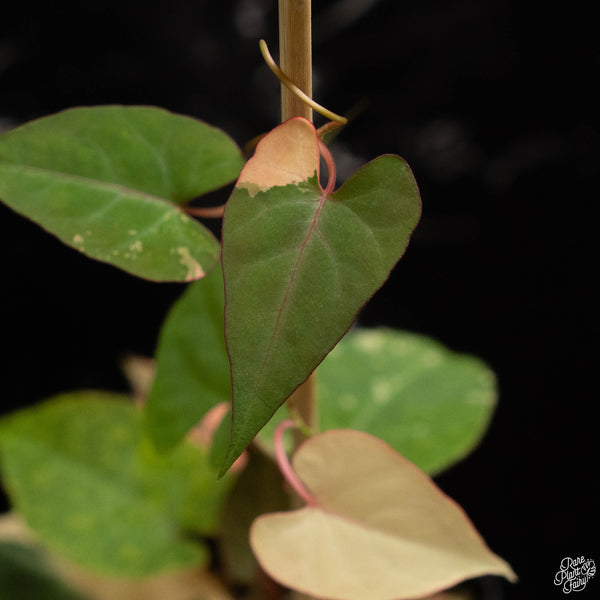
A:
x,y
284,464
285,80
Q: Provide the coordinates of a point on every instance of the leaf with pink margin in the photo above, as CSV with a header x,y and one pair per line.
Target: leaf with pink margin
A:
x,y
300,262
377,527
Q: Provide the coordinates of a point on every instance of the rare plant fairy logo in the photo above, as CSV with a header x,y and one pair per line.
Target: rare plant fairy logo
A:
x,y
574,573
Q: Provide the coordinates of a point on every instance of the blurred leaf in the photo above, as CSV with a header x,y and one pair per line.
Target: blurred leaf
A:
x,y
258,490
430,404
107,181
299,263
139,372
25,575
79,471
220,441
379,528
192,369
188,584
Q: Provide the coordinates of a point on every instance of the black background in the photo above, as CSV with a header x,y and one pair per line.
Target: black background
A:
x,y
494,105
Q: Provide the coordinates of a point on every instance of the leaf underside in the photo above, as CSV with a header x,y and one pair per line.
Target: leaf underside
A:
x,y
379,528
299,264
110,182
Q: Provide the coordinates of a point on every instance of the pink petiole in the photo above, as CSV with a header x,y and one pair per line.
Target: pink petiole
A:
x,y
330,168
284,464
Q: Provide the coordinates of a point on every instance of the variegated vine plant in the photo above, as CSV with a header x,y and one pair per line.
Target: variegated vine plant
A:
x,y
110,491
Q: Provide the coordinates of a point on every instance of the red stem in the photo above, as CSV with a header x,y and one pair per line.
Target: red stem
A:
x,y
284,464
330,167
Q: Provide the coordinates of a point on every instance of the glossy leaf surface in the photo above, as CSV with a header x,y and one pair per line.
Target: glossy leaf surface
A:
x,y
378,528
109,181
192,370
299,263
79,471
430,404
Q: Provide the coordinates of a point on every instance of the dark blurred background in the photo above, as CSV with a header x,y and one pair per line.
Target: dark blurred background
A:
x,y
494,104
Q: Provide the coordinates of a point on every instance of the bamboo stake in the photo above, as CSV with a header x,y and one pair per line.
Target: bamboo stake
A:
x,y
295,49
295,60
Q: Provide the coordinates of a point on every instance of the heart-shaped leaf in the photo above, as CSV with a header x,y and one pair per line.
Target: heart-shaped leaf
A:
x,y
108,181
79,471
430,404
299,262
377,528
192,370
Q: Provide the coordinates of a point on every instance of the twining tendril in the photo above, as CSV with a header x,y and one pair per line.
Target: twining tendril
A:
x,y
285,80
216,212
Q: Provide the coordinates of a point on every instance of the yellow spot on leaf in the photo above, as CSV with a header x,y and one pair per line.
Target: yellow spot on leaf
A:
x,y
136,246
370,341
78,239
382,392
193,267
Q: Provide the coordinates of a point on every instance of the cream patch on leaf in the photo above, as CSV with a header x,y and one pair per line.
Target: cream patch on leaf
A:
x,y
194,270
287,155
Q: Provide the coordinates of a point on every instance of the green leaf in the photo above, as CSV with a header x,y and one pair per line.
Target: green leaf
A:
x,y
109,181
377,527
299,263
430,404
25,575
79,471
192,370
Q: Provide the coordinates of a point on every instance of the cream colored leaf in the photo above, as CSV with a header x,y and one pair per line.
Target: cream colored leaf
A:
x,y
379,528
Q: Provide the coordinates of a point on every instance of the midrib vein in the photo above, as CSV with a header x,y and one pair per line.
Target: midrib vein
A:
x,y
292,278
